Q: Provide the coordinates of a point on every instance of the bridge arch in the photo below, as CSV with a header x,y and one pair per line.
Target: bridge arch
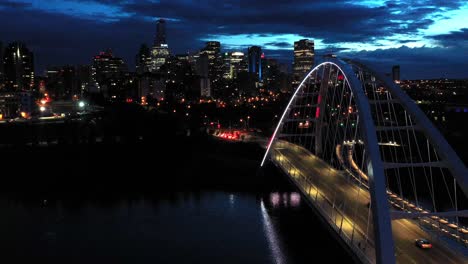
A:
x,y
346,109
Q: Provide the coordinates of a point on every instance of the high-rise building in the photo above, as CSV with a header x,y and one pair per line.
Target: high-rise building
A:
x,y
212,50
203,65
108,72
203,70
159,56
18,63
255,61
227,65
61,81
143,59
303,58
396,73
150,87
234,62
106,66
83,77
183,57
160,38
271,73
160,50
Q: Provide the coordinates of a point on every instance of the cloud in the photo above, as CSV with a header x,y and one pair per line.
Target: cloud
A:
x,y
100,11
72,31
417,63
453,39
13,5
280,45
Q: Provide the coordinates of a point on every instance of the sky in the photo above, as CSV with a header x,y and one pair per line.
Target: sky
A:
x,y
427,38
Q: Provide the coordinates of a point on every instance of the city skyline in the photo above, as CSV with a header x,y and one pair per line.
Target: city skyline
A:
x,y
410,34
230,131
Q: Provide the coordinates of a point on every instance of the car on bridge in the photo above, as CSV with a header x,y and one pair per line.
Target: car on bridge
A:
x,y
423,243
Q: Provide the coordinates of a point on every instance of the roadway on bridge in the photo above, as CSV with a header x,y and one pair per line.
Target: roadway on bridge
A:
x,y
352,199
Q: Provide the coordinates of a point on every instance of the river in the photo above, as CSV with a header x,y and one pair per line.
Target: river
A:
x,y
245,217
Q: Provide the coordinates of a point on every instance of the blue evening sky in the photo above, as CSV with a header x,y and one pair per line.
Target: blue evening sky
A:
x,y
429,39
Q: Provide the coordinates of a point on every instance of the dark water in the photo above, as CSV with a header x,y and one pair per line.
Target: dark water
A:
x,y
244,218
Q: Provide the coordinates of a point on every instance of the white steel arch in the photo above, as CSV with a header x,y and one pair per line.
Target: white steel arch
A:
x,y
449,157
384,244
391,139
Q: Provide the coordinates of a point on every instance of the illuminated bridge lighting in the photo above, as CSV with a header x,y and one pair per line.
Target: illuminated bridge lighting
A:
x,y
349,162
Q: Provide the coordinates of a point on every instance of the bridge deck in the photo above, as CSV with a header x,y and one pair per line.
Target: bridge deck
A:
x,y
343,203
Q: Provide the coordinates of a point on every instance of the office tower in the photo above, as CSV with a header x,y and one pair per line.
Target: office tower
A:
x,y
83,77
213,51
271,73
108,74
203,70
106,66
143,60
18,67
160,50
234,62
160,38
61,81
255,61
303,59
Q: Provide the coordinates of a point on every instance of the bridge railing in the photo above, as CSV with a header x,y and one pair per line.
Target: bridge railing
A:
x,y
355,238
438,227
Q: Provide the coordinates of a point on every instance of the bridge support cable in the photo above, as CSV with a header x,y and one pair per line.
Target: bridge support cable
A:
x,y
400,139
425,166
445,151
314,100
333,127
365,141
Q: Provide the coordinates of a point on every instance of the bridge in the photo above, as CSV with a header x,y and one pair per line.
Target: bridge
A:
x,y
373,166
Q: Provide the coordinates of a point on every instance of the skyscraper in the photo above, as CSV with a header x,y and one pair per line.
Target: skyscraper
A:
x,y
61,81
234,62
160,38
255,61
160,50
83,76
143,59
202,68
303,58
213,50
396,73
271,73
18,63
108,71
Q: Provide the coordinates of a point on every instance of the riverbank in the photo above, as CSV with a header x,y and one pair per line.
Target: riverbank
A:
x,y
171,163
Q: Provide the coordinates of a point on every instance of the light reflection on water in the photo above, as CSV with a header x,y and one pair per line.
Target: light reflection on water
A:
x,y
270,232
184,227
287,199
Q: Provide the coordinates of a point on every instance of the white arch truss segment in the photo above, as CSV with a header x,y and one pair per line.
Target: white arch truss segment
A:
x,y
288,106
352,90
350,137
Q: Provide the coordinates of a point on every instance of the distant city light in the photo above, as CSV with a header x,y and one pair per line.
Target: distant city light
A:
x,y
81,104
42,108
